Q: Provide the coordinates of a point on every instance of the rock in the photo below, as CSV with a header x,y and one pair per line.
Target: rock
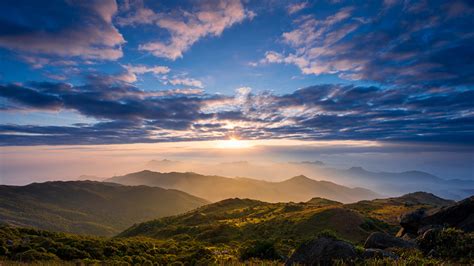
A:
x,y
408,237
404,235
378,254
432,254
322,251
425,228
400,232
412,221
460,215
382,241
429,234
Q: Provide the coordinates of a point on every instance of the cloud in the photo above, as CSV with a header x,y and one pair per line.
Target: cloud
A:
x,y
208,18
186,82
127,114
296,7
81,29
133,70
393,42
136,14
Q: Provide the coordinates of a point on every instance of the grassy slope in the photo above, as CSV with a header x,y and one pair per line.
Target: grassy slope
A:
x,y
243,220
214,233
87,207
390,209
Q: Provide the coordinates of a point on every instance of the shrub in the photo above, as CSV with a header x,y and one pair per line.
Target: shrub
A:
x,y
34,255
264,250
329,234
3,251
70,253
448,243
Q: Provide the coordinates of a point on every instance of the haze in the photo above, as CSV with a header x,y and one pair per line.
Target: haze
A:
x,y
102,88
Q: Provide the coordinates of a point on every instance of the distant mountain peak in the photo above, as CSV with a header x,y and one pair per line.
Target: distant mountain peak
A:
x,y
300,178
317,163
145,172
357,169
161,161
237,163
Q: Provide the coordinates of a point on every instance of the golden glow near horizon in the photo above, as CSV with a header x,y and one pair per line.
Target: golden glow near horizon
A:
x,y
233,143
185,146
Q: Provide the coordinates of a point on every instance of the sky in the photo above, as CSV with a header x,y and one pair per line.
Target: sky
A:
x,y
393,78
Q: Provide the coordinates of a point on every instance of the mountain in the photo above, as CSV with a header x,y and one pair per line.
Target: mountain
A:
x,y
215,188
243,220
402,182
386,183
88,207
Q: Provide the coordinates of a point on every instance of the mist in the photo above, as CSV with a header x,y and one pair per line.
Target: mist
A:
x,y
270,161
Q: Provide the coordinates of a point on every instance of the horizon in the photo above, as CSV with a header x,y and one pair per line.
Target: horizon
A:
x,y
236,132
49,163
87,86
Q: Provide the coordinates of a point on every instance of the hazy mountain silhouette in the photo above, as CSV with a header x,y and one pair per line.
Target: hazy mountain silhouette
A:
x,y
387,183
215,188
88,207
402,182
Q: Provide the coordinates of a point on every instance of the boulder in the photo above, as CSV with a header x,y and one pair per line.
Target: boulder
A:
x,y
378,254
412,221
425,228
322,251
380,240
459,215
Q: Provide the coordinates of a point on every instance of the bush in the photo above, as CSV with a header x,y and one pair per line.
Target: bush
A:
x,y
329,234
70,253
448,243
3,251
34,255
264,250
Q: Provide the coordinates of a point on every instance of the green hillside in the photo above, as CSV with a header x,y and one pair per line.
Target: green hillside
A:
x,y
215,188
232,231
390,209
87,207
243,220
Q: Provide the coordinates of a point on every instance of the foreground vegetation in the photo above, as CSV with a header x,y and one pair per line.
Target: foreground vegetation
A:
x,y
236,231
27,245
22,245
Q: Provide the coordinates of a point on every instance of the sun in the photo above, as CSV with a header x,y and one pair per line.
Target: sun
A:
x,y
233,143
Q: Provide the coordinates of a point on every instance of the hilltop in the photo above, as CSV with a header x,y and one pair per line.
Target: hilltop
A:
x,y
246,220
215,188
88,207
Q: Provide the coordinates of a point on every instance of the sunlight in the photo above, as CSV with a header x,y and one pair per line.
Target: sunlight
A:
x,y
233,143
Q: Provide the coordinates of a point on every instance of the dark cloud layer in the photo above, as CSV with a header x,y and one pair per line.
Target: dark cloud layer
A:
x,y
392,42
62,29
325,112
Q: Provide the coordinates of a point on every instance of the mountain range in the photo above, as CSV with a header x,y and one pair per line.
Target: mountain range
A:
x,y
215,188
88,207
386,183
